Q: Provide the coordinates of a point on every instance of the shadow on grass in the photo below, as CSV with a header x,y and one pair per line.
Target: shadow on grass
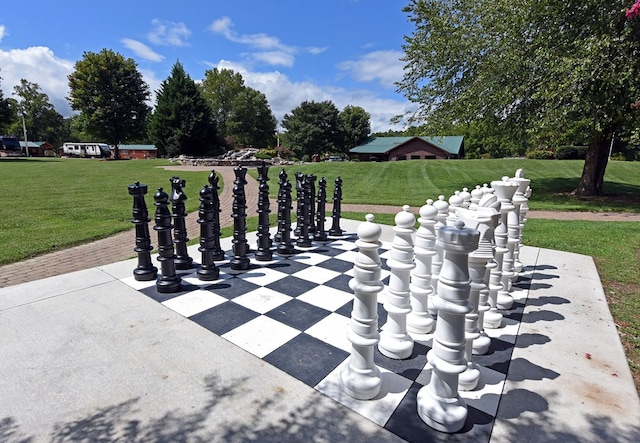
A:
x,y
622,197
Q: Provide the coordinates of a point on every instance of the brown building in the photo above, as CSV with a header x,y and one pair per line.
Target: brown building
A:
x,y
410,148
137,151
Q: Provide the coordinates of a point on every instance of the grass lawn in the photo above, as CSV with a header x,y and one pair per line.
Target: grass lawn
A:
x,y
51,204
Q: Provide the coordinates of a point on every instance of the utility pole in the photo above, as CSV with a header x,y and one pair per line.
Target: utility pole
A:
x,y
24,130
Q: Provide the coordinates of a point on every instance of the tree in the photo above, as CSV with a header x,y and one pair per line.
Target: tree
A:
x,y
220,88
43,122
111,94
312,128
6,114
181,122
549,66
251,122
354,126
242,114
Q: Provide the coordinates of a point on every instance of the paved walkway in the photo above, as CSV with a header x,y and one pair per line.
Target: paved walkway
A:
x,y
120,246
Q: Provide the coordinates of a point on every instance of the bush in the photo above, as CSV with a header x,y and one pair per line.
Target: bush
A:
x,y
571,152
540,154
265,154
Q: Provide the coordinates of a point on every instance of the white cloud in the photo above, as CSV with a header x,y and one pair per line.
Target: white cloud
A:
x,y
39,65
269,49
284,95
383,67
275,58
142,50
3,32
168,33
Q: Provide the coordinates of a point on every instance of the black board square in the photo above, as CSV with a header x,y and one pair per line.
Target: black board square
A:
x,y
291,286
306,358
297,314
225,317
230,288
407,424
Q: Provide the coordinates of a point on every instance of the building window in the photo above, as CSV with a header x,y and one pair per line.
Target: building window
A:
x,y
401,157
415,157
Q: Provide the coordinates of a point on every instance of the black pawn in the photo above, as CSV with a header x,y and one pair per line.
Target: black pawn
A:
x,y
208,270
335,230
218,253
282,178
286,247
263,252
240,261
321,234
145,270
303,203
178,197
167,282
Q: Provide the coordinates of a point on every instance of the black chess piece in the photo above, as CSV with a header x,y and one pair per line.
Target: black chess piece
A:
x,y
299,203
282,178
335,230
263,252
218,253
240,261
311,216
168,281
321,234
286,247
145,270
179,214
208,270
303,218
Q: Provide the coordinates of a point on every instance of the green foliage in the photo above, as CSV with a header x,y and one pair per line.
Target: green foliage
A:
x,y
181,122
554,69
43,122
266,154
251,122
6,115
312,128
242,114
354,126
571,152
540,154
111,94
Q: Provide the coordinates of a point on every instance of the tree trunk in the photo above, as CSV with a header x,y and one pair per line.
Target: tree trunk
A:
x,y
595,165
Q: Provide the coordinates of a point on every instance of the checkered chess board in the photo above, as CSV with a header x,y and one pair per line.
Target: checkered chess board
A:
x,y
293,313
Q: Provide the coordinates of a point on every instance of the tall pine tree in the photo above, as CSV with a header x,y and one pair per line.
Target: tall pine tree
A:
x,y
181,122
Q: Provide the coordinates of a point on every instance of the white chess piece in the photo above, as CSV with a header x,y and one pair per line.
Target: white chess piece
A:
x,y
360,376
395,342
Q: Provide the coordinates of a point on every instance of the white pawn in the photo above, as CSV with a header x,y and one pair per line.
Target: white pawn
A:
x,y
476,195
439,404
466,198
360,376
395,342
419,320
441,221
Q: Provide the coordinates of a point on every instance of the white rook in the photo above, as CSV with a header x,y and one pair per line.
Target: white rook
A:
x,y
360,376
395,342
439,404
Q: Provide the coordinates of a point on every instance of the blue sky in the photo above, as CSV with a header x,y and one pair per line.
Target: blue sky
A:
x,y
346,51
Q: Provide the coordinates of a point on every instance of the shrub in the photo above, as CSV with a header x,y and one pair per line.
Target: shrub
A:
x,y
540,154
266,154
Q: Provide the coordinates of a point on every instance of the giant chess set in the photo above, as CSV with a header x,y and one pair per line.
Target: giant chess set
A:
x,y
409,333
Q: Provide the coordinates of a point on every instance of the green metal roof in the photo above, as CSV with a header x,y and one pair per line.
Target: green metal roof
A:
x,y
382,145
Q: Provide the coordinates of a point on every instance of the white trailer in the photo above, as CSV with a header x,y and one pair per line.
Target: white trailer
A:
x,y
71,149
